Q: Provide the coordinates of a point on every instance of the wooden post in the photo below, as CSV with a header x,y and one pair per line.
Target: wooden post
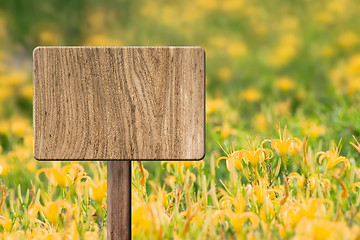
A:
x,y
119,103
119,200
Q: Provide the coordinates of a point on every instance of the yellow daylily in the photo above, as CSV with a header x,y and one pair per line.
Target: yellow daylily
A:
x,y
285,84
238,202
257,156
324,182
283,145
300,178
232,160
141,219
262,193
98,190
291,214
237,220
181,167
266,212
144,173
225,130
251,95
333,158
6,223
51,210
213,105
313,206
64,176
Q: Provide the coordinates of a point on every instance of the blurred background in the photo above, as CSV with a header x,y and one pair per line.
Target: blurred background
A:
x,y
267,62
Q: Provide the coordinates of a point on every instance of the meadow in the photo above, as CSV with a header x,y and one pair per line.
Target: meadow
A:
x,y
282,126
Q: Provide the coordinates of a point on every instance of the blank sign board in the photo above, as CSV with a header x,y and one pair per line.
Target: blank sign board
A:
x,y
119,103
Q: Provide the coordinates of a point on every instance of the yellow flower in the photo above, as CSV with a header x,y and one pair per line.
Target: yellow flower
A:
x,y
266,212
14,78
98,190
225,74
282,146
238,202
291,215
73,233
295,148
313,179
170,181
232,160
282,108
324,182
161,196
353,86
49,37
6,223
141,220
285,51
218,41
231,5
260,122
257,156
327,51
182,164
348,39
300,178
317,130
144,172
4,127
324,17
236,49
285,84
207,4
352,68
63,176
180,167
225,130
5,93
332,158
237,220
213,105
27,91
251,95
91,235
28,141
313,206
102,40
20,126
290,23
52,210
319,229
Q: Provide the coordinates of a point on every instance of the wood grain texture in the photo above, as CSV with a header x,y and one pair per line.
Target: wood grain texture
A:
x,y
119,103
119,200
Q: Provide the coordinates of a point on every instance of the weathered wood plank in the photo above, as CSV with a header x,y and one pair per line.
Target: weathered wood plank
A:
x,y
95,103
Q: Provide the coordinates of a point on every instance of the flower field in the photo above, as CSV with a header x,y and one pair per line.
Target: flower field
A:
x,y
283,122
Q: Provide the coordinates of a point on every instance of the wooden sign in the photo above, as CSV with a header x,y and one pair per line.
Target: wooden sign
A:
x,y
119,103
